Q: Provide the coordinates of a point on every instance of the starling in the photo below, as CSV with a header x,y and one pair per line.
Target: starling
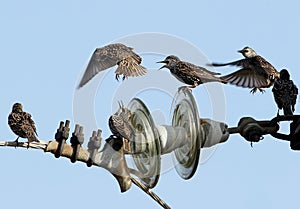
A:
x,y
189,73
256,72
285,93
119,123
114,54
22,124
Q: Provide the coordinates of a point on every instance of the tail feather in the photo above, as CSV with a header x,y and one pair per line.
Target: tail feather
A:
x,y
287,110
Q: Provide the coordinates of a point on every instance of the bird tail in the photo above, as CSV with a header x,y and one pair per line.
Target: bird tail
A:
x,y
287,110
130,69
32,138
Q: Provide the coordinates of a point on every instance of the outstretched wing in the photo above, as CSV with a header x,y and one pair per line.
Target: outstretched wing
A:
x,y
257,63
247,78
106,57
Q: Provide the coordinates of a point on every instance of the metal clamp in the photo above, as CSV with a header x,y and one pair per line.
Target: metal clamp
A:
x,y
93,146
62,134
253,130
77,140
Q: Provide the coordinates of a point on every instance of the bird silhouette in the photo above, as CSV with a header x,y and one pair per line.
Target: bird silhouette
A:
x,y
22,124
114,54
119,123
285,93
189,73
256,72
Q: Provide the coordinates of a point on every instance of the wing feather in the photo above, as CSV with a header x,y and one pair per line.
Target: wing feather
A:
x,y
107,57
246,78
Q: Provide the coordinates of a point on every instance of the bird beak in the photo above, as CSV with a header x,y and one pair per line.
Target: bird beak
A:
x,y
240,51
165,62
162,67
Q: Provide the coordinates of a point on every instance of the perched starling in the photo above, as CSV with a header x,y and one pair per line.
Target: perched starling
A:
x,y
285,93
189,73
22,124
119,123
256,72
114,54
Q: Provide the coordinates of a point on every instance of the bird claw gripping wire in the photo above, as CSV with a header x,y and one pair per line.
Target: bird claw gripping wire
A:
x,y
77,140
62,134
93,146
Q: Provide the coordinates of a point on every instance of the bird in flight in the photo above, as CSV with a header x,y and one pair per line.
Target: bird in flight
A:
x,y
189,73
285,93
113,54
256,72
119,123
22,124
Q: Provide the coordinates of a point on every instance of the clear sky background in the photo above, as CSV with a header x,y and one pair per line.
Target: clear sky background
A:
x,y
45,47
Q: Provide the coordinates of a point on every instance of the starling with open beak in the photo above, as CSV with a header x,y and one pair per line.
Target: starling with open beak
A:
x,y
189,73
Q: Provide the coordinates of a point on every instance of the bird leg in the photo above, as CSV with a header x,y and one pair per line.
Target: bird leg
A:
x,y
17,142
255,89
117,77
28,144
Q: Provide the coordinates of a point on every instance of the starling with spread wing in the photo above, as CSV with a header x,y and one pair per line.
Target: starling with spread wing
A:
x,y
285,93
256,72
189,73
22,124
114,54
119,123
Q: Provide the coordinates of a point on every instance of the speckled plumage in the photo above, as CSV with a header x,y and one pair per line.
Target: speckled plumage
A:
x,y
119,123
256,72
189,73
22,124
285,93
114,54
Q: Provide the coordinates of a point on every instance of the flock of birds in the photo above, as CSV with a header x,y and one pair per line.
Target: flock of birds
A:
x,y
255,72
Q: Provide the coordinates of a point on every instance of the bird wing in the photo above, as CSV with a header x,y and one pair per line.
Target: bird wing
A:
x,y
130,67
240,62
197,71
246,77
106,57
29,123
256,63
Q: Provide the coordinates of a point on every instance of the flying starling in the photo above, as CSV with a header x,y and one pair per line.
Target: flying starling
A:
x,y
285,93
119,123
114,54
189,73
256,72
22,124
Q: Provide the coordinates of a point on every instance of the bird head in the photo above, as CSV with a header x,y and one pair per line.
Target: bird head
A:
x,y
284,75
247,52
169,62
17,107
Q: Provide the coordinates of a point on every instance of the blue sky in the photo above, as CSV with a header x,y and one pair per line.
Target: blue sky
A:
x,y
45,47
